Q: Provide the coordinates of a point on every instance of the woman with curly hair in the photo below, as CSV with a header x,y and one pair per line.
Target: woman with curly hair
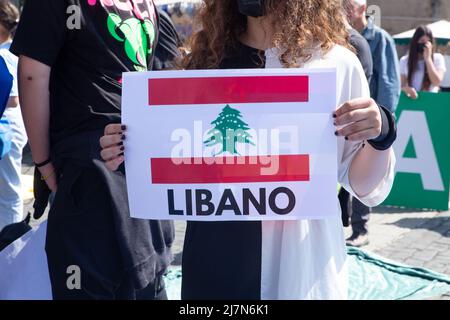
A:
x,y
303,259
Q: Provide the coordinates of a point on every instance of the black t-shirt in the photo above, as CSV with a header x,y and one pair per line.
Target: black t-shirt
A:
x,y
88,44
169,42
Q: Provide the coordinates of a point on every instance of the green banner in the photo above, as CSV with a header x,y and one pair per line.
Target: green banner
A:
x,y
422,150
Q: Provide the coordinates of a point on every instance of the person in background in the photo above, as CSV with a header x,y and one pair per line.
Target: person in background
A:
x,y
385,82
362,50
422,69
365,57
384,89
11,203
445,84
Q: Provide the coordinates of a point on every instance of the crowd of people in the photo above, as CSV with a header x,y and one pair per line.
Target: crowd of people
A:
x,y
70,100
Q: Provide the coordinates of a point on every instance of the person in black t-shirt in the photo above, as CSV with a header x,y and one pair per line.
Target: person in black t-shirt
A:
x,y
72,56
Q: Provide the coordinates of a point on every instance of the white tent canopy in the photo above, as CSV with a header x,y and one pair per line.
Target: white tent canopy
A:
x,y
440,29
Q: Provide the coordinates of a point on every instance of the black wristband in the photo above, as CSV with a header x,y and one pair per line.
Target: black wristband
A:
x,y
42,164
388,131
384,127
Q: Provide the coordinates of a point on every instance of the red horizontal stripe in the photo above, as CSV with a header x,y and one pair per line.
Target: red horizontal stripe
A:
x,y
245,169
216,90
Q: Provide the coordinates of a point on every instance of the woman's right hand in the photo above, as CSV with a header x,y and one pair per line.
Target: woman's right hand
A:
x,y
112,146
410,92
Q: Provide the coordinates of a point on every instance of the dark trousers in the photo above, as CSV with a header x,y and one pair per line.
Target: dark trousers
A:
x,y
445,89
81,243
354,212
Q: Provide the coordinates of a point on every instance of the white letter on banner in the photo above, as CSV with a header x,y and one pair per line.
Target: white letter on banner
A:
x,y
413,124
181,152
198,142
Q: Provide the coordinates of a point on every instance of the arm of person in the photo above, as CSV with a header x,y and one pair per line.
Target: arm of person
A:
x,y
34,78
409,91
362,120
368,160
366,132
436,75
37,55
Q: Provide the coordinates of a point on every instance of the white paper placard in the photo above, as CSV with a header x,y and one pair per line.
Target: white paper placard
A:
x,y
231,144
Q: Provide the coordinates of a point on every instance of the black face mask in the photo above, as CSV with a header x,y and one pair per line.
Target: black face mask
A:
x,y
420,47
251,8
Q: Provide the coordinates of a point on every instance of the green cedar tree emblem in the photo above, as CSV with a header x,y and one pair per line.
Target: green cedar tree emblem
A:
x,y
228,131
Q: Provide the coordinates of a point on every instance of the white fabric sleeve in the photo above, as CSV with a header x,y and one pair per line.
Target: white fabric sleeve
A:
x,y
404,66
357,88
439,62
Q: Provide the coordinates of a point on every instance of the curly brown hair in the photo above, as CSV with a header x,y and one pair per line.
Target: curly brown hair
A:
x,y
298,25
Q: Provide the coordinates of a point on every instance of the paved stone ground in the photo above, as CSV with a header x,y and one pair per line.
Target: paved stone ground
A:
x,y
415,238
418,239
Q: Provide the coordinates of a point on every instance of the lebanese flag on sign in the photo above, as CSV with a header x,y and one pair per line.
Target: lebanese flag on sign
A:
x,y
236,91
230,144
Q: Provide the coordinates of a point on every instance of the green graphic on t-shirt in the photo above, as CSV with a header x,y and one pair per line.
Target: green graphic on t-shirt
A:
x,y
138,37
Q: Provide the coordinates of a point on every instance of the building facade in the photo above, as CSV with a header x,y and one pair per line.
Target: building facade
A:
x,y
400,15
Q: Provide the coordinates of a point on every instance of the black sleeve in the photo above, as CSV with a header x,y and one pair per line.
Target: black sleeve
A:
x,y
42,30
168,43
388,133
363,52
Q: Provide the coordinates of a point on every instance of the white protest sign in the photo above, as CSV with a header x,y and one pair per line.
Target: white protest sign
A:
x,y
231,144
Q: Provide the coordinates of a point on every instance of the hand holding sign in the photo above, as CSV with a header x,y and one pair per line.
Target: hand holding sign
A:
x,y
360,118
112,146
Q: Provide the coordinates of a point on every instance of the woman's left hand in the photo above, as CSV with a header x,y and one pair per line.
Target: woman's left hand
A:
x,y
428,51
359,119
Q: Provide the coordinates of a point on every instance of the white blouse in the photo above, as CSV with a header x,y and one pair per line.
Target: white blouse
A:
x,y
306,259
